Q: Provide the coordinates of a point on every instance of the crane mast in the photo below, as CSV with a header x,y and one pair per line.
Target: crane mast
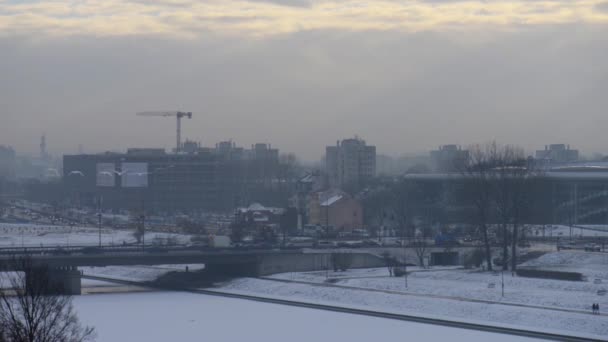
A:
x,y
178,115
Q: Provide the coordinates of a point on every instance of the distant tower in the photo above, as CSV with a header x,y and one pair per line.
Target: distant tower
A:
x,y
43,154
80,149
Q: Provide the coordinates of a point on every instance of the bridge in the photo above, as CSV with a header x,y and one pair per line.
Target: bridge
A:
x,y
65,275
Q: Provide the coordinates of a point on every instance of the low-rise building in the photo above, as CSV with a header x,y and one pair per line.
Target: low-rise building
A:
x,y
336,210
557,153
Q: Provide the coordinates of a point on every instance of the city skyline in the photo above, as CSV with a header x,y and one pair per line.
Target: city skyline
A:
x,y
302,74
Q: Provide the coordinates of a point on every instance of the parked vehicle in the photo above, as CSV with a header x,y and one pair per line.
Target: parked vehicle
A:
x,y
326,244
300,243
591,247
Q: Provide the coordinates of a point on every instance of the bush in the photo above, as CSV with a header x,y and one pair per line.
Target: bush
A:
x,y
399,272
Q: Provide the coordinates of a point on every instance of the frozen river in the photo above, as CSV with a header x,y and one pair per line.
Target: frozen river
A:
x,y
170,316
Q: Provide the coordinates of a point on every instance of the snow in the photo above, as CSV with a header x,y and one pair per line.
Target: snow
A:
x,y
137,273
36,235
458,294
330,201
166,316
577,231
450,309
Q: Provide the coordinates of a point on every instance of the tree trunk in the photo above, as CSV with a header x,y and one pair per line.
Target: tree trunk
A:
x,y
486,241
505,247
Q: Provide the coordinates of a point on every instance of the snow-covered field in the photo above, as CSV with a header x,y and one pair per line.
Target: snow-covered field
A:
x,y
582,231
165,316
137,273
486,313
459,294
35,235
476,285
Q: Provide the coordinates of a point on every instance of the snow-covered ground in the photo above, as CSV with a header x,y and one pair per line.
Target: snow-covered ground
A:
x,y
477,285
459,294
165,316
137,273
485,313
36,235
577,231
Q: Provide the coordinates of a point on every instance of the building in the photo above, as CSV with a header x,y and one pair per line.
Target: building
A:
x,y
563,195
449,158
143,178
309,183
336,210
350,162
202,180
259,216
557,153
7,163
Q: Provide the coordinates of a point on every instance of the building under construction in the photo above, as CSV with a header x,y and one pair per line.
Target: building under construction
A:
x,y
216,179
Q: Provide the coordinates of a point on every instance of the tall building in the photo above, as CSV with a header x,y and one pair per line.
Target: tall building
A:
x,y
350,162
449,158
7,162
557,153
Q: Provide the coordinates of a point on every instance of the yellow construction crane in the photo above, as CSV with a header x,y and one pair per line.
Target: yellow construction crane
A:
x,y
179,116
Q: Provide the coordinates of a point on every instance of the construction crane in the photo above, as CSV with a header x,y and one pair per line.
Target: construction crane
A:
x,y
179,116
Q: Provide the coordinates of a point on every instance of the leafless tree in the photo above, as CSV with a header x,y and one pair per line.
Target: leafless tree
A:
x,y
31,311
403,205
509,165
420,243
390,262
503,178
477,173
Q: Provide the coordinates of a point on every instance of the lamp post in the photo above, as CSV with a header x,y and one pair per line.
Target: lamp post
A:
x,y
99,223
405,263
502,274
143,231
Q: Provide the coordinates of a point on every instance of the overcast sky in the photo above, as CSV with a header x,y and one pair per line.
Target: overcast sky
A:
x,y
406,76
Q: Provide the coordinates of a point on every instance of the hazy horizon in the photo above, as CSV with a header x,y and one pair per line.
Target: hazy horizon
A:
x,y
405,76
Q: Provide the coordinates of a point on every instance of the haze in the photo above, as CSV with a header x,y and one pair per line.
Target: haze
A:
x,y
405,75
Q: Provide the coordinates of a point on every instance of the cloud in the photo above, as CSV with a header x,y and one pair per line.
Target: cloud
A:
x,y
602,7
400,91
259,18
294,3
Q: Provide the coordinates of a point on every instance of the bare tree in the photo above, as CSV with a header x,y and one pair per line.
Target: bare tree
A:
x,y
420,243
390,262
477,173
31,311
509,163
502,179
403,202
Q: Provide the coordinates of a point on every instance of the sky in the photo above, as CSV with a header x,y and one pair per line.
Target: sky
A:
x,y
407,76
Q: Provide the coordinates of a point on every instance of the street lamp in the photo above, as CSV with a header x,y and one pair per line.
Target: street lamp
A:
x,y
502,275
99,223
143,231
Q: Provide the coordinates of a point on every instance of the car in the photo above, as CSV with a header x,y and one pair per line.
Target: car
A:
x,y
325,244
591,247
